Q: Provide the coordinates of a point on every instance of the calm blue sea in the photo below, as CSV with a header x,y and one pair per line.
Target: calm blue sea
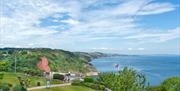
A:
x,y
156,68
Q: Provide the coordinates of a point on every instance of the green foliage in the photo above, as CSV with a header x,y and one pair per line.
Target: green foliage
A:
x,y
19,88
94,86
58,76
5,87
1,75
154,88
77,82
59,60
4,65
88,83
88,79
171,84
54,81
24,81
125,80
67,88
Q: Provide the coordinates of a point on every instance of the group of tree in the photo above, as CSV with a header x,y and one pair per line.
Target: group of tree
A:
x,y
4,65
127,80
59,60
124,80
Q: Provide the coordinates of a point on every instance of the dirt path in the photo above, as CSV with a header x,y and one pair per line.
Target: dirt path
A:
x,y
41,87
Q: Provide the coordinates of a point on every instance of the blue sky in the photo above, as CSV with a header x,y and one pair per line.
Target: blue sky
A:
x,y
111,26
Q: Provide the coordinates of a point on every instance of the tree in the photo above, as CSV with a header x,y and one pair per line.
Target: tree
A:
x,y
4,65
171,84
125,80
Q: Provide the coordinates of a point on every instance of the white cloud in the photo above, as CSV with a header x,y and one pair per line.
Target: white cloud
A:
x,y
71,21
20,20
136,49
103,48
156,8
130,49
156,36
141,49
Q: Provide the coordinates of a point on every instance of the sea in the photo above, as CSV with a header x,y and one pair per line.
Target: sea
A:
x,y
156,68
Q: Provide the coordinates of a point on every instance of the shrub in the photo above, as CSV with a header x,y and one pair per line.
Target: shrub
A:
x,y
154,88
55,81
88,79
125,80
24,81
58,76
19,88
5,86
94,86
4,65
1,75
77,82
101,87
90,85
171,84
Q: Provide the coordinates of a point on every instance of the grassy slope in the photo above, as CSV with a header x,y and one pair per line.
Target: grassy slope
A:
x,y
68,88
59,60
12,79
9,78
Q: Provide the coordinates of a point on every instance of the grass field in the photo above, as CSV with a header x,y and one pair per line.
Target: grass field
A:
x,y
67,88
12,79
9,78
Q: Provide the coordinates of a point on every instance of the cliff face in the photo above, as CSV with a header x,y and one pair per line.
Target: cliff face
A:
x,y
59,60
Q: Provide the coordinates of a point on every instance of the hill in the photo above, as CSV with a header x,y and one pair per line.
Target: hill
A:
x,y
59,60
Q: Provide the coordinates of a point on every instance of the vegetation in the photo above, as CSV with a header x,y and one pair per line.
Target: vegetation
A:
x,y
58,76
4,65
88,79
28,74
68,88
19,88
90,83
5,86
59,60
20,79
125,80
1,75
170,84
10,78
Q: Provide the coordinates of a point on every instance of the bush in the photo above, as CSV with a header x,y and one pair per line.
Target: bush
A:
x,y
124,80
90,85
4,65
88,79
58,76
77,82
101,87
171,84
94,86
154,88
19,88
55,81
1,75
5,86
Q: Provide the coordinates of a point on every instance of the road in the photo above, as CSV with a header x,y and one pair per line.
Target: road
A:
x,y
41,87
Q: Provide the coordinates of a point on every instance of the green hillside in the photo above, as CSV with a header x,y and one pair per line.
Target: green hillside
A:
x,y
59,60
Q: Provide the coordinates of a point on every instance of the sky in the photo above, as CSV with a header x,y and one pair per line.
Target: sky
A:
x,y
110,26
